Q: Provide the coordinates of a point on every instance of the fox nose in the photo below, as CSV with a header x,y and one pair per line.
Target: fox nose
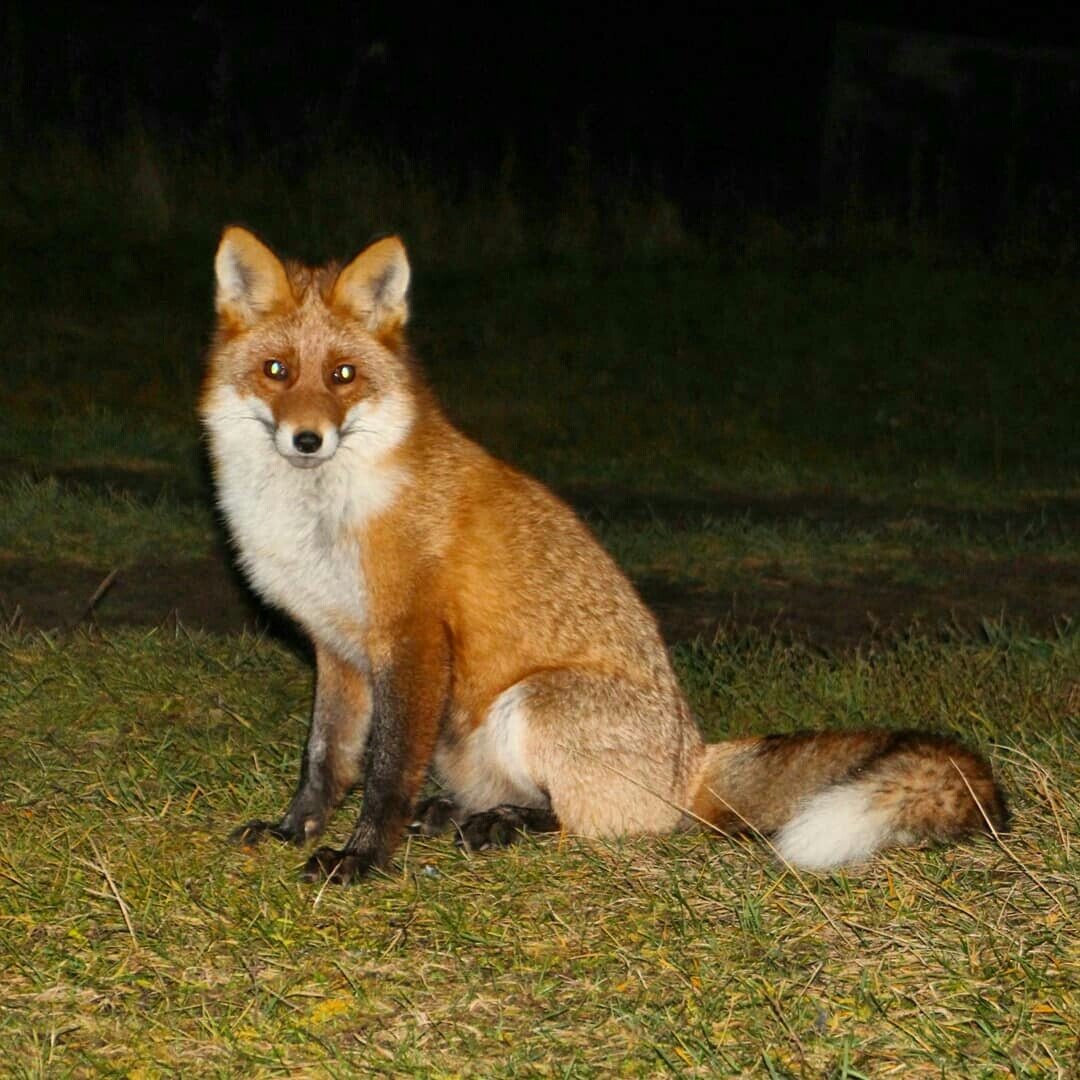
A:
x,y
307,442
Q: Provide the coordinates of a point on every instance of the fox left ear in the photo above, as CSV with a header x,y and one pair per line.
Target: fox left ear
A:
x,y
373,286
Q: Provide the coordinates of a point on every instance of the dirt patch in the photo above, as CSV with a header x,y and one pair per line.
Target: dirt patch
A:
x,y
146,484
199,593
209,594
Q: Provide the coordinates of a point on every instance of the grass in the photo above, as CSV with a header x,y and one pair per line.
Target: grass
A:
x,y
777,366
99,525
739,411
48,521
776,377
136,939
723,552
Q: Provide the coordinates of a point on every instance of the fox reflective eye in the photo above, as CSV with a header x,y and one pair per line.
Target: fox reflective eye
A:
x,y
344,373
275,369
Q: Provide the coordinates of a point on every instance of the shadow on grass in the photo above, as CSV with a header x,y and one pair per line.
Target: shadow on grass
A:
x,y
946,590
208,594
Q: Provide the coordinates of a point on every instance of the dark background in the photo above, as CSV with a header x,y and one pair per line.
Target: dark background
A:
x,y
705,105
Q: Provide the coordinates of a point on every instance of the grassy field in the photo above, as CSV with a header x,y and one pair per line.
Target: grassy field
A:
x,y
846,477
136,940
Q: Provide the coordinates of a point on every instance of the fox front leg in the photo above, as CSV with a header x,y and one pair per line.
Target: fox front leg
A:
x,y
409,700
332,759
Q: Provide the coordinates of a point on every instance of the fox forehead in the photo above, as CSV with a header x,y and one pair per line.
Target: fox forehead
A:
x,y
311,335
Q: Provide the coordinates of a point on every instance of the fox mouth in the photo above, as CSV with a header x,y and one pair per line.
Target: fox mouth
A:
x,y
301,461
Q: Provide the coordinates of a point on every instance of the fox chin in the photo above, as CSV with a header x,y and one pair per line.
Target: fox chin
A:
x,y
466,623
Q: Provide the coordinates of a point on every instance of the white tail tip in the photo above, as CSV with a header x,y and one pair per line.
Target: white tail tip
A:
x,y
833,828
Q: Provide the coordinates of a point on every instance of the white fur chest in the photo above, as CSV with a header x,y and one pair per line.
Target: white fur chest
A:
x,y
298,531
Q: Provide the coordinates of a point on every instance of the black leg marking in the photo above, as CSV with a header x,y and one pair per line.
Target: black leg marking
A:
x,y
435,815
400,744
504,825
307,813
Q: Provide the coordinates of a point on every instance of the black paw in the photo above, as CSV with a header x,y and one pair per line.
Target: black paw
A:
x,y
254,831
434,816
337,866
503,825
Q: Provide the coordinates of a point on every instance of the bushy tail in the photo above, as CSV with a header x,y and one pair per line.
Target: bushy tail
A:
x,y
834,798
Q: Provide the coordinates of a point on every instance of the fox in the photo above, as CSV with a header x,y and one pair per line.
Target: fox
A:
x,y
466,623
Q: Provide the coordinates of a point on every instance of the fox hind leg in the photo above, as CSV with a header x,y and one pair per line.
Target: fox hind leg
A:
x,y
596,754
498,827
504,825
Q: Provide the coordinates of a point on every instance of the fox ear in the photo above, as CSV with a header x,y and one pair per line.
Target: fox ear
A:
x,y
250,278
373,286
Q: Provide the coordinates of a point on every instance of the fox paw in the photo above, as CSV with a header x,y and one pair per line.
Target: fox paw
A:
x,y
503,825
338,866
434,816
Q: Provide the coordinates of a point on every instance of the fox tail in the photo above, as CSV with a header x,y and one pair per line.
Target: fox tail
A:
x,y
828,799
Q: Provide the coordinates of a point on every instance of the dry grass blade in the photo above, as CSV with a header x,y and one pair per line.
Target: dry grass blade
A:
x,y
780,858
101,868
1010,853
103,587
1044,784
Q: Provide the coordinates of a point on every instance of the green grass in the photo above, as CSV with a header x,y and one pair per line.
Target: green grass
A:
x,y
725,552
136,941
689,374
45,520
92,525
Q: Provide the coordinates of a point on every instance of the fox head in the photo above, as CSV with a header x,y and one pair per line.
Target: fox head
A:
x,y
308,362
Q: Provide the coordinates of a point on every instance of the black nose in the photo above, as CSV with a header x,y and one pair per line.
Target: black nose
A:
x,y
307,442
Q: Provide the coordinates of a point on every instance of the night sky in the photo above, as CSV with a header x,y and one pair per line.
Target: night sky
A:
x,y
695,102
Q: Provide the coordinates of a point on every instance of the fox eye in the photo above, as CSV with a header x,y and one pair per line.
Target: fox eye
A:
x,y
275,369
344,373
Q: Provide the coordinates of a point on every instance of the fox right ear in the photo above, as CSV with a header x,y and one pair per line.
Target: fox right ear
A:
x,y
251,280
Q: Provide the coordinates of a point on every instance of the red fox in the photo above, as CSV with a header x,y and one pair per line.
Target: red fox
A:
x,y
465,621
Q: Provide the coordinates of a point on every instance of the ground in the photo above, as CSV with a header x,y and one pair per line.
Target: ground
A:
x,y
844,477
1036,590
